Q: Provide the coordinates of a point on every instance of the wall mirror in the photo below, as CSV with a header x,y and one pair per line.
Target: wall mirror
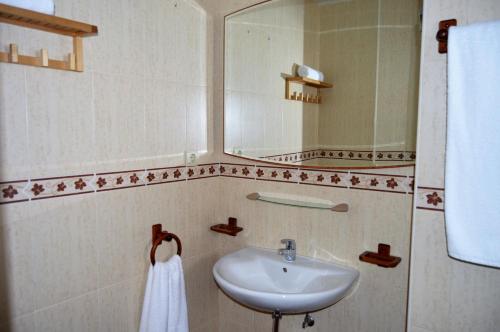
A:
x,y
361,111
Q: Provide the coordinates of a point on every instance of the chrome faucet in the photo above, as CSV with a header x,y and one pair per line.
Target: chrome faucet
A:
x,y
289,251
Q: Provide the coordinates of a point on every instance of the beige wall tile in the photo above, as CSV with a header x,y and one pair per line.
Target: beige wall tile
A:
x,y
211,325
349,14
163,23
165,122
64,248
196,108
16,263
79,10
347,115
119,47
119,305
77,314
397,89
399,12
445,294
121,238
201,290
60,122
14,148
231,311
119,122
449,295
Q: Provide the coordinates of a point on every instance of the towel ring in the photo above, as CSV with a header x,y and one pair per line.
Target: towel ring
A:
x,y
158,237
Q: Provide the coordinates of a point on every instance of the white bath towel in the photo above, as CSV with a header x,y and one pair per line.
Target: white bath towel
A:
x,y
305,71
42,6
472,180
164,308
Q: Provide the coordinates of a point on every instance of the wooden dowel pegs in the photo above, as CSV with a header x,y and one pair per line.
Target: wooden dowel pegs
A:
x,y
44,57
78,51
72,61
13,55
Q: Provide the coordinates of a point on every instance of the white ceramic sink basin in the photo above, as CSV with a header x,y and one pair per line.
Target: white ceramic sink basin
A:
x,y
262,279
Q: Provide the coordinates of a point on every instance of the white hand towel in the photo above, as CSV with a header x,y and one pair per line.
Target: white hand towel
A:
x,y
42,6
164,308
472,180
305,71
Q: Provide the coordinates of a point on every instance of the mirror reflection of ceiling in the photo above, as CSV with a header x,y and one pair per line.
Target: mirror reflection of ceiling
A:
x,y
369,50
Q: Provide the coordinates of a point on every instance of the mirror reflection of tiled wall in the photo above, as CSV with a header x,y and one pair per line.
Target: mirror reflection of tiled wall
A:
x,y
369,50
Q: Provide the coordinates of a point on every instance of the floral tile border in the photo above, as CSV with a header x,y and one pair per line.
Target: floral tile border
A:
x,y
430,198
381,182
276,174
203,171
119,180
330,178
342,154
324,178
164,175
60,186
34,189
237,170
13,191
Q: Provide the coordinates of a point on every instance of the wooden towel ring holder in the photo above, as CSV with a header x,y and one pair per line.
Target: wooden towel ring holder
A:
x,y
158,237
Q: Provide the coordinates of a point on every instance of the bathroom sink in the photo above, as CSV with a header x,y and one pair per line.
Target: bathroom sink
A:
x,y
262,279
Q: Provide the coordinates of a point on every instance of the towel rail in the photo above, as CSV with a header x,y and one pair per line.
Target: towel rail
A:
x,y
158,237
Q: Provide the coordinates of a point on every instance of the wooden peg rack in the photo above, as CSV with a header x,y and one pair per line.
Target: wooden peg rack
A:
x,y
306,98
49,23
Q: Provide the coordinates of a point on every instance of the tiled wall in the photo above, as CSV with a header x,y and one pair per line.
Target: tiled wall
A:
x,y
348,37
78,262
370,49
445,294
379,301
260,46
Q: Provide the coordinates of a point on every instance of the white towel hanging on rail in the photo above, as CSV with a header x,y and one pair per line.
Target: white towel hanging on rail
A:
x,y
472,182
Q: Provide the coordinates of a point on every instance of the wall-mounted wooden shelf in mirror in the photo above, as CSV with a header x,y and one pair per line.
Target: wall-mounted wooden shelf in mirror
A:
x,y
304,97
358,111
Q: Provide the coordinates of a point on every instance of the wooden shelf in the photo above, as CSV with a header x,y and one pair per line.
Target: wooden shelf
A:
x,y
49,23
305,98
309,82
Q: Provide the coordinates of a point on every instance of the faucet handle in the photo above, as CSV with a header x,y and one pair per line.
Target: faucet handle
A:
x,y
290,244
